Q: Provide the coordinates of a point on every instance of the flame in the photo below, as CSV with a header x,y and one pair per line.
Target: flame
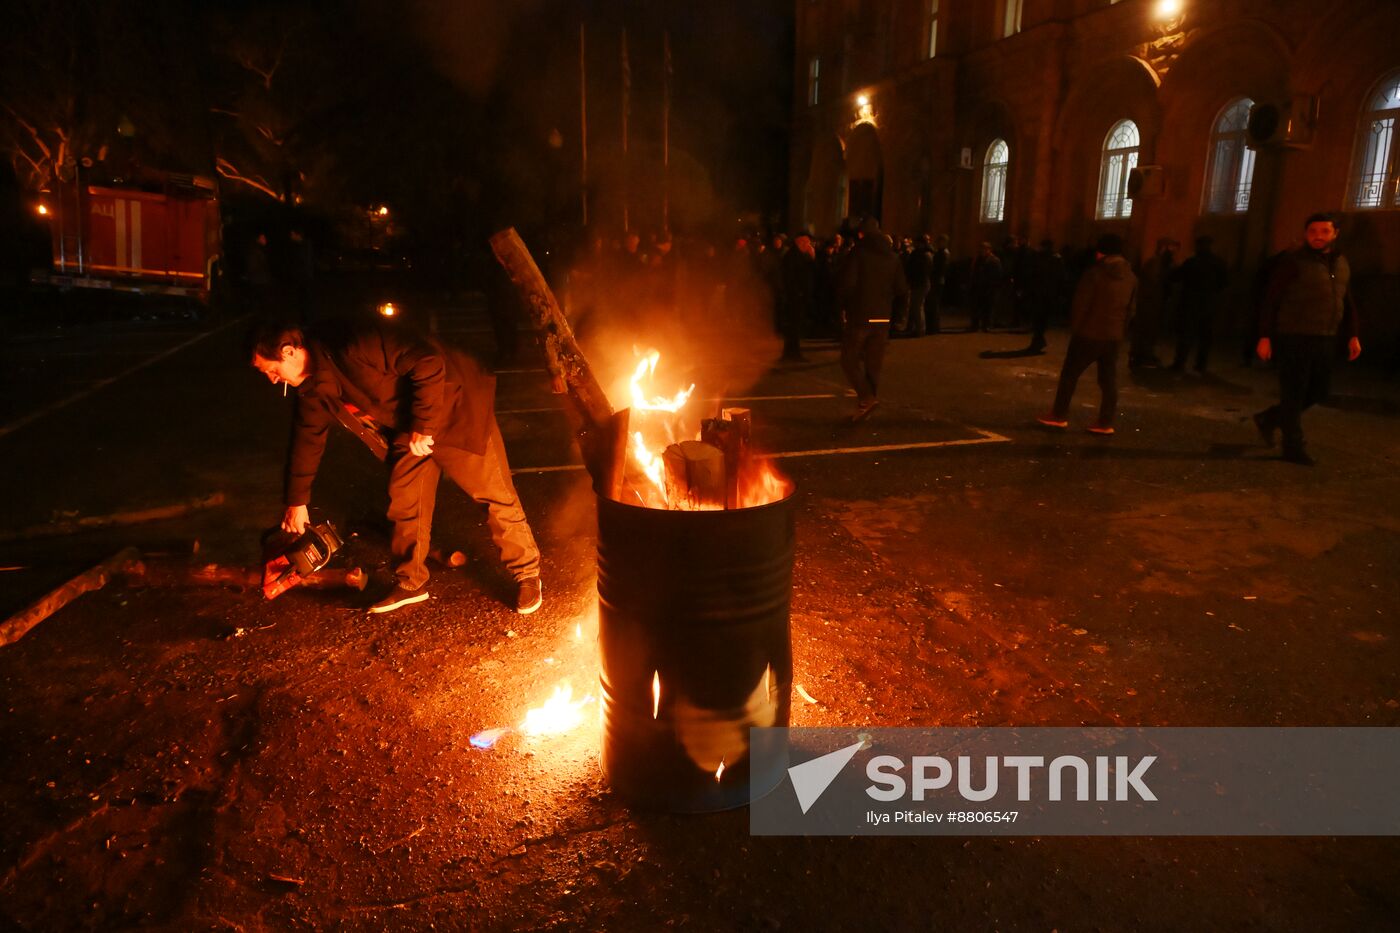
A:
x,y
578,632
652,465
655,694
719,772
646,368
759,482
561,713
767,676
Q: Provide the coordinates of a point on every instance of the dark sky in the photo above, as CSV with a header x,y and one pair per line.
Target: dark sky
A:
x,y
445,107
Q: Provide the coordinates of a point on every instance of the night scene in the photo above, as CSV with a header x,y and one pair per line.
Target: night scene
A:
x,y
739,465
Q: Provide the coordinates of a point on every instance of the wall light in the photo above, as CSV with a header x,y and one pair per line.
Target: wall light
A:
x,y
1168,9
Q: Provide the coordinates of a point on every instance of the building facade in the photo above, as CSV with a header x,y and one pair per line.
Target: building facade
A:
x,y
1067,118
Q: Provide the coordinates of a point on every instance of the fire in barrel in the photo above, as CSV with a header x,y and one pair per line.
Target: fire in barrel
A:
x,y
695,556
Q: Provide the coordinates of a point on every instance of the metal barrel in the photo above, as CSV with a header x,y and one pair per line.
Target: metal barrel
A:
x,y
696,649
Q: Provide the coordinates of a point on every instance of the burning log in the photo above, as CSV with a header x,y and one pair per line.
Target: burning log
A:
x,y
730,433
18,625
566,363
69,526
695,475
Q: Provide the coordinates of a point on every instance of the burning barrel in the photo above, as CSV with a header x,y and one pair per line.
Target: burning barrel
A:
x,y
696,649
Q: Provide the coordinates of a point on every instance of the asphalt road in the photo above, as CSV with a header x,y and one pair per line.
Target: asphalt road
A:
x,y
195,758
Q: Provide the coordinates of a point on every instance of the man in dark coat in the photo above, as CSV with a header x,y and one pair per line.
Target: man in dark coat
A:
x,y
1202,278
432,407
799,270
873,291
983,289
1306,307
918,269
1103,304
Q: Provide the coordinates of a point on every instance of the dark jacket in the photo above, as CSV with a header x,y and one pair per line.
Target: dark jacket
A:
x,y
873,286
402,380
1105,300
1202,277
1309,293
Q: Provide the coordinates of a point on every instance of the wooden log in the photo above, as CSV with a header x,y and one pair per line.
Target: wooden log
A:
x,y
18,625
173,574
71,526
448,558
620,442
563,357
730,433
694,475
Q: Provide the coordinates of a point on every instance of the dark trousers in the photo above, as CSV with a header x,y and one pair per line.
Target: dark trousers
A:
x,y
863,356
918,295
932,305
1040,320
1197,327
1304,379
413,483
1081,353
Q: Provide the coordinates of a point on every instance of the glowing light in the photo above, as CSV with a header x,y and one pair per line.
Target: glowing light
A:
x,y
719,772
578,632
865,113
388,309
383,212
561,713
655,694
43,210
1168,9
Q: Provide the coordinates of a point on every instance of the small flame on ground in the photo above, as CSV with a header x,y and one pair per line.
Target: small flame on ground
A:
x,y
487,738
655,694
719,772
561,713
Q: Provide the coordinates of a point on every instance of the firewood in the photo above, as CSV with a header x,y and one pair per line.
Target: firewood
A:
x,y
694,474
563,357
70,526
730,433
95,578
620,442
172,574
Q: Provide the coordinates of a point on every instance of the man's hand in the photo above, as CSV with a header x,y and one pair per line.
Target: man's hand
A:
x,y
420,445
295,519
1264,349
1353,348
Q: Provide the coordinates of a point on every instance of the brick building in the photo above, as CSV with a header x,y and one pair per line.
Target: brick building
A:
x,y
983,118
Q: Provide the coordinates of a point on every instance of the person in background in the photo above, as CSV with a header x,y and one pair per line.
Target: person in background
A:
x,y
1306,308
1104,302
873,292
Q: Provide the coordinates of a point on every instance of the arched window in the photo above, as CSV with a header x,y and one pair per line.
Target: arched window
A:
x,y
1230,163
994,166
1375,181
1120,156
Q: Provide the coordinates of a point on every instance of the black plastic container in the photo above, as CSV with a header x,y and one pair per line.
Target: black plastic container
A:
x,y
696,603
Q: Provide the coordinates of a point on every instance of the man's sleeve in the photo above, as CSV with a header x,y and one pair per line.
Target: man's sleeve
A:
x,y
1350,327
1283,275
426,370
310,426
1083,299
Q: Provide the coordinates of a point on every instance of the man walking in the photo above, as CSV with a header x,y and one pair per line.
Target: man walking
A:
x,y
873,290
1306,306
1203,277
1103,304
434,409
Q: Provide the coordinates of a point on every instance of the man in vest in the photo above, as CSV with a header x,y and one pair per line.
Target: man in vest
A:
x,y
1306,306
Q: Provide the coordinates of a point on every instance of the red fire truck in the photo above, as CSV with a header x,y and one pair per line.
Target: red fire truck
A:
x,y
157,233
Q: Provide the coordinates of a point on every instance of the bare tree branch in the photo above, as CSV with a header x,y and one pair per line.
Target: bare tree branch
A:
x,y
258,183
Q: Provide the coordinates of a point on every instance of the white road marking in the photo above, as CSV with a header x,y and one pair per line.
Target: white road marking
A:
x,y
102,384
731,398
984,437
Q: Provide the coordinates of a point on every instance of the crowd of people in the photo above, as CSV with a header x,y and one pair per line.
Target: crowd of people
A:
x,y
862,287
